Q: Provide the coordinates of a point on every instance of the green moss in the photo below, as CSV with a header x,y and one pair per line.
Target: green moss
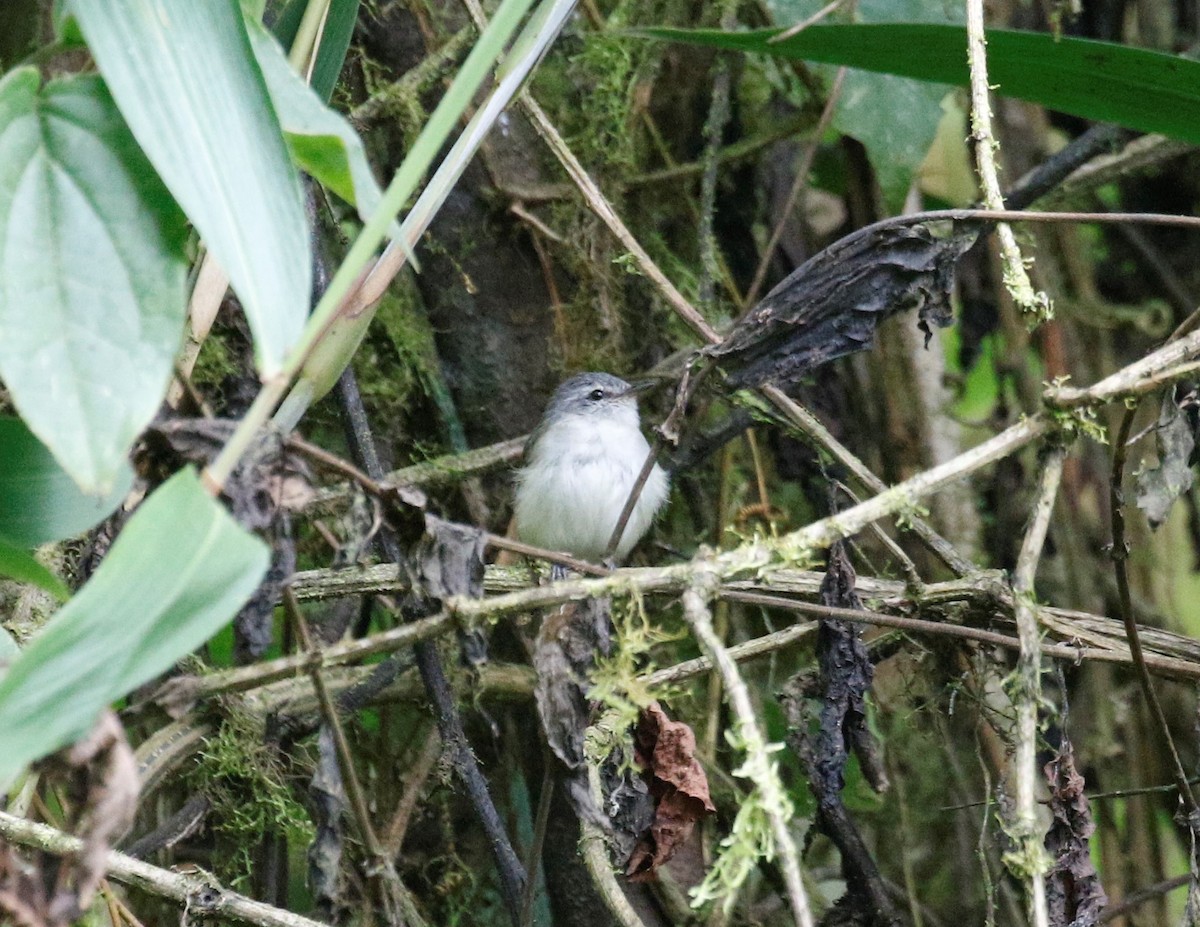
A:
x,y
248,786
214,364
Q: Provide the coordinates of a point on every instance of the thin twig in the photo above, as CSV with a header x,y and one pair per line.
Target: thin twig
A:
x,y
336,464
200,894
414,781
1135,900
766,772
1016,278
329,712
1028,693
1120,552
799,27
540,824
801,179
542,553
381,869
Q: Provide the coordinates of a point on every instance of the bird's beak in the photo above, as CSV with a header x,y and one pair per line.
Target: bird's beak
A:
x,y
636,389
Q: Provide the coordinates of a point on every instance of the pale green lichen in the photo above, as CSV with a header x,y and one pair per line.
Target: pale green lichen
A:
x,y
752,837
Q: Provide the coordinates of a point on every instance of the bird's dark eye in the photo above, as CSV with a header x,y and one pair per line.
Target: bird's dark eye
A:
x,y
596,395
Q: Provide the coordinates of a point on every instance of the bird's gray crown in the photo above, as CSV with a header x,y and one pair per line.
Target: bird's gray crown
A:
x,y
589,394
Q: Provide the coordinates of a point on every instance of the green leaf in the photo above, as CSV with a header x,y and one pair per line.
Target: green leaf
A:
x,y
323,143
335,40
895,118
1144,90
92,274
39,501
186,80
179,570
18,564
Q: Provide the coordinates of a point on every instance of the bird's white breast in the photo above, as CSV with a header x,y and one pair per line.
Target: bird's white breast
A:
x,y
580,472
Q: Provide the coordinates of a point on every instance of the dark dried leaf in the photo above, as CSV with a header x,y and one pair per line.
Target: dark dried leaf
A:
x,y
629,807
254,625
1074,893
564,654
846,674
1159,487
269,479
833,303
666,752
327,799
451,559
451,563
43,891
839,712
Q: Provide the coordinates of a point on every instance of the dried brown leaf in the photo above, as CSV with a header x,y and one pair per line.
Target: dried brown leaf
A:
x,y
666,751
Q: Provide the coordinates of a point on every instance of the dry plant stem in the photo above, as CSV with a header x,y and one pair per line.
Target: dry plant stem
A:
x,y
329,713
600,205
1120,552
811,426
1128,381
1016,279
595,857
631,500
392,892
731,153
551,556
1170,220
540,824
1135,900
414,781
197,893
666,580
1028,693
336,464
1139,154
805,23
439,471
699,618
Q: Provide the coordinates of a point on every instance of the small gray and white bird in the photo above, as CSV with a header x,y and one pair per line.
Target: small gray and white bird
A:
x,y
580,466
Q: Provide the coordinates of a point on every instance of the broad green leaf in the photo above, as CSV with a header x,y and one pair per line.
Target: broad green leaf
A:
x,y
186,81
39,502
1134,87
92,274
179,570
895,118
17,563
323,143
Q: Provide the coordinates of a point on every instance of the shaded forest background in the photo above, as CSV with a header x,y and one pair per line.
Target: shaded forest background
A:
x,y
731,171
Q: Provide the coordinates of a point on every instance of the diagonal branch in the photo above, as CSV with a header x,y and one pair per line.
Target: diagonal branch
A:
x,y
201,895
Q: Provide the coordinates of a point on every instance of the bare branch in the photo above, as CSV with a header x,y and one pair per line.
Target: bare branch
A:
x,y
201,895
